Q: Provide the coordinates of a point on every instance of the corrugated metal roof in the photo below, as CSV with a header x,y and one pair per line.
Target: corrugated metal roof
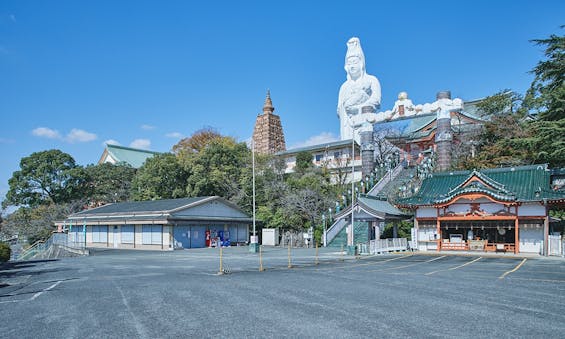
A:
x,y
153,206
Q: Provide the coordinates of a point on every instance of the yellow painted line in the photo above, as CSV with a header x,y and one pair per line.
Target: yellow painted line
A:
x,y
456,267
513,270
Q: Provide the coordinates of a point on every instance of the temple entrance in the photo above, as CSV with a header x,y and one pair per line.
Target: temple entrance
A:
x,y
493,236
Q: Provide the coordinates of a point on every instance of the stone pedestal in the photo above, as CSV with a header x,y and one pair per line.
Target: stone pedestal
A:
x,y
443,142
367,153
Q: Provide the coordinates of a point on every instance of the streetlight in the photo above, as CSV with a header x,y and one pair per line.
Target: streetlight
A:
x,y
253,246
324,221
352,230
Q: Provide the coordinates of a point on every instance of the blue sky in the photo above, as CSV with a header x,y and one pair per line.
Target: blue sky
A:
x,y
75,74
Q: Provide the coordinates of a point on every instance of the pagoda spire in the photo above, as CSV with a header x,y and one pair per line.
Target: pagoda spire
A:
x,y
268,106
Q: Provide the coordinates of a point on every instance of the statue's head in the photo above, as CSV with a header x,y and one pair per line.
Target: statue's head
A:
x,y
402,96
354,59
443,95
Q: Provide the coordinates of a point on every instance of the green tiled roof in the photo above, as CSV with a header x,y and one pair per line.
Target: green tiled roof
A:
x,y
132,156
519,184
376,206
328,145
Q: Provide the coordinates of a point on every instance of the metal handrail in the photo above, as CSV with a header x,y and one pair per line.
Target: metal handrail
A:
x,y
388,177
333,231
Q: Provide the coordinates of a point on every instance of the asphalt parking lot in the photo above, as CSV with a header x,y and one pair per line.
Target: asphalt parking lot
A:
x,y
116,294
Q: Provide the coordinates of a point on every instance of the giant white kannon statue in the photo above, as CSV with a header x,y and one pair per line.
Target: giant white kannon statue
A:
x,y
359,95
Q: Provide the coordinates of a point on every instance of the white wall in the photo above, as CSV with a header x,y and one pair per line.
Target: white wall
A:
x,y
426,212
531,239
531,210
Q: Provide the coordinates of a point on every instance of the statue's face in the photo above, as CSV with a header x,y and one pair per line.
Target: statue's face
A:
x,y
354,67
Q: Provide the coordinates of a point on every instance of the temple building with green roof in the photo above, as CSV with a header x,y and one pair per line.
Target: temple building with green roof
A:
x,y
501,209
134,157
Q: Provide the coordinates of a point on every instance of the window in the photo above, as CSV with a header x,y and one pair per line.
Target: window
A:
x,y
337,155
127,234
100,233
319,157
152,234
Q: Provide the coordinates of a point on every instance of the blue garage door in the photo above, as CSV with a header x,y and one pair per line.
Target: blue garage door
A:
x,y
198,238
181,236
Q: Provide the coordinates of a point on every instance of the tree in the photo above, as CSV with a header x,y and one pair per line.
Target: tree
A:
x,y
160,177
44,178
547,96
500,103
303,161
109,182
547,92
37,223
198,141
217,169
504,141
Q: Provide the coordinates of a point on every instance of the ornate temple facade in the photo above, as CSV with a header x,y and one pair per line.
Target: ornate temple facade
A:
x,y
268,135
492,210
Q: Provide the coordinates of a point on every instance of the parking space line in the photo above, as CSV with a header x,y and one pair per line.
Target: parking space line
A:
x,y
409,265
364,264
456,267
44,290
513,270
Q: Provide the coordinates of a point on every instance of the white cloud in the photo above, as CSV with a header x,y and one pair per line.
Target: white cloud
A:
x,y
176,135
141,143
321,138
44,132
79,135
147,127
111,142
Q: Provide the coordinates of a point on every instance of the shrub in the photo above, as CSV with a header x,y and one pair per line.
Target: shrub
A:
x,y
5,252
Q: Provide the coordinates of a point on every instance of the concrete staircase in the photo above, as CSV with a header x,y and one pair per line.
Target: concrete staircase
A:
x,y
390,189
340,239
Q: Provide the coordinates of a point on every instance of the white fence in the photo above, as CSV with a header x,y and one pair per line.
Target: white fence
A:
x,y
388,245
556,245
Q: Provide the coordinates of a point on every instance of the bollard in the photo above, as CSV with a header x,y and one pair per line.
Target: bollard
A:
x,y
261,258
289,263
317,261
221,262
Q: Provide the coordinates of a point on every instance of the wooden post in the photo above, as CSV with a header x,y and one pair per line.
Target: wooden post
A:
x,y
438,231
261,258
317,262
289,263
516,236
221,262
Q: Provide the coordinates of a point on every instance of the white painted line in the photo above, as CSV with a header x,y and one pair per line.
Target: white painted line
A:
x,y
443,256
513,270
41,292
363,264
456,267
409,265
465,264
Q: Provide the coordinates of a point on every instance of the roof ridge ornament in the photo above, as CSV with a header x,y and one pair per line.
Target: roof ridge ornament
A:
x,y
268,107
